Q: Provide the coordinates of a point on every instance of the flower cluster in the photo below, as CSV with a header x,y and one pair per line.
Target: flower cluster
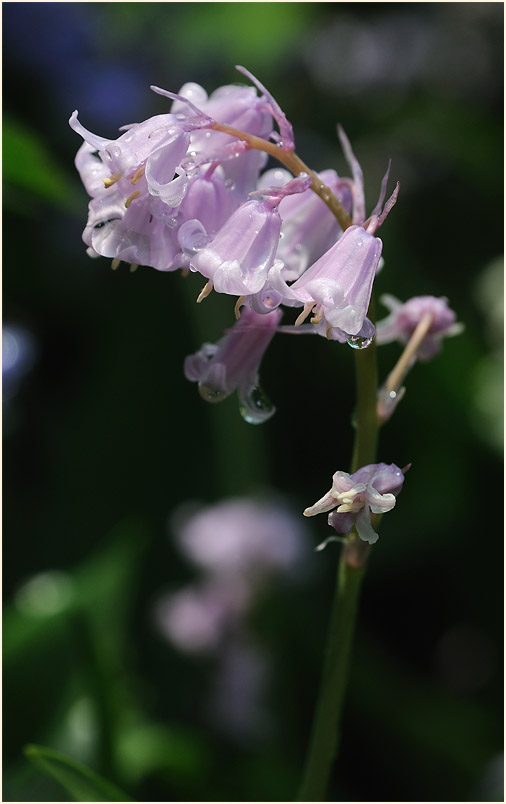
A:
x,y
184,190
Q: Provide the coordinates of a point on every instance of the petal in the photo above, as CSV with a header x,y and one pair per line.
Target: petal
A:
x,y
342,523
380,503
161,167
364,527
195,366
326,503
285,128
99,143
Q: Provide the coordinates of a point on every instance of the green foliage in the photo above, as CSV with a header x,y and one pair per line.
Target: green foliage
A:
x,y
82,783
31,169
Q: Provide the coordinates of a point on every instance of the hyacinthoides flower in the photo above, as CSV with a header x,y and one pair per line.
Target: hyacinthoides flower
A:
x,y
420,324
183,190
353,497
233,364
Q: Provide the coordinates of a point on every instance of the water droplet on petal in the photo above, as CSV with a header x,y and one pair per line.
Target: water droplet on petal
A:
x,y
256,407
193,237
190,166
357,342
211,394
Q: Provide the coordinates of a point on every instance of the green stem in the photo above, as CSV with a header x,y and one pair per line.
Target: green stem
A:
x,y
325,737
366,432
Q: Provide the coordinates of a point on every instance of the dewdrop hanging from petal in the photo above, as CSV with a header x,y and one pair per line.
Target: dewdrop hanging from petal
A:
x,y
336,289
233,364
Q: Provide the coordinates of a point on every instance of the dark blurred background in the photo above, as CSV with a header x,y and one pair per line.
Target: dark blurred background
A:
x,y
104,439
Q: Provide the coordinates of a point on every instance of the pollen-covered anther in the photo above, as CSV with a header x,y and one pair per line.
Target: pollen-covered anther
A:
x,y
115,264
139,173
305,312
133,267
329,332
206,290
131,198
112,180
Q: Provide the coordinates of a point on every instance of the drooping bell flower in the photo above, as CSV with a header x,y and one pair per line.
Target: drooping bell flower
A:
x,y
140,235
145,158
404,318
309,227
233,364
340,282
209,200
352,498
337,288
238,258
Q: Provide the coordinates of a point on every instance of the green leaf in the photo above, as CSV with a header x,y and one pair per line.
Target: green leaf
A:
x,y
81,782
29,166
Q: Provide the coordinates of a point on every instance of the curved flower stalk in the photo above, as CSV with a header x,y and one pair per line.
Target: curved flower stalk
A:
x,y
352,498
337,287
233,364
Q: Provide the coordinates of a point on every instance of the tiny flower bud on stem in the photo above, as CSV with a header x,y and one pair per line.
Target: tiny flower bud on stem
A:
x,y
294,164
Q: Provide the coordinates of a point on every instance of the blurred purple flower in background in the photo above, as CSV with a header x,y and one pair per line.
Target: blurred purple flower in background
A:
x,y
243,537
239,546
237,693
18,356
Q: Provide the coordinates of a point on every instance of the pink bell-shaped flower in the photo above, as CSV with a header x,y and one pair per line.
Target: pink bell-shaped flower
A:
x,y
239,257
233,364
